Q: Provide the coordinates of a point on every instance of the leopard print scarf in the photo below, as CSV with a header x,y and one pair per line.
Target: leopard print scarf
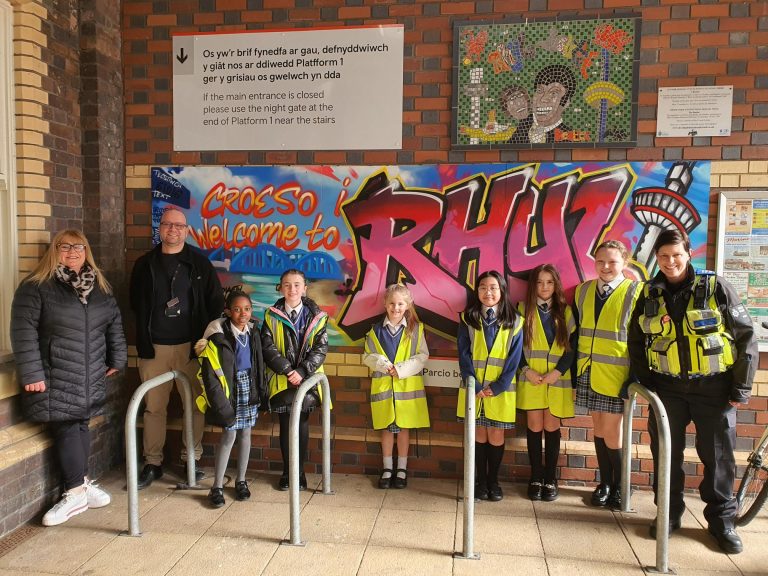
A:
x,y
83,283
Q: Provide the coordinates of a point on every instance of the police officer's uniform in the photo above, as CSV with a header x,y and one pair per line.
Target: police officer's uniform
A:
x,y
694,344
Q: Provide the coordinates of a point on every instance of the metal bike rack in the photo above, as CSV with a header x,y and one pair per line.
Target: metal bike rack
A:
x,y
663,467
293,461
131,463
469,473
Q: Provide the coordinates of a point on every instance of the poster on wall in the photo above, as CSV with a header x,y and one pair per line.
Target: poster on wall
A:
x,y
308,89
353,230
742,252
562,83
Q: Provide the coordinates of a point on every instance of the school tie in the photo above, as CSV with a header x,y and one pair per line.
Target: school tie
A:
x,y
293,316
607,289
544,307
490,327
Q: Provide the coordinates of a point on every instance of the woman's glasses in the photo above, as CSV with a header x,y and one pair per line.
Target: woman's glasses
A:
x,y
66,247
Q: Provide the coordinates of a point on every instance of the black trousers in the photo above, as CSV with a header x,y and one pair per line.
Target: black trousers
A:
x,y
72,442
705,403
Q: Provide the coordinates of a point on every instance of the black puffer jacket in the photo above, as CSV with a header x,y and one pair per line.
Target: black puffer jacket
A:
x,y
218,345
66,344
296,355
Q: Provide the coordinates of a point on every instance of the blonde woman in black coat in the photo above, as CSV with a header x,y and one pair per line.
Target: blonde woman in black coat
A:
x,y
67,338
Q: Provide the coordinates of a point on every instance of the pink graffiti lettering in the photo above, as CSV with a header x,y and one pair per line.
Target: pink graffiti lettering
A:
x,y
438,243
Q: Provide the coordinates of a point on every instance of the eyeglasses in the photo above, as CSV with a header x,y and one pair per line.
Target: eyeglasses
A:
x,y
66,247
171,225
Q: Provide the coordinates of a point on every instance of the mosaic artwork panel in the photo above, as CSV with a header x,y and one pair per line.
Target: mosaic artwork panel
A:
x,y
560,83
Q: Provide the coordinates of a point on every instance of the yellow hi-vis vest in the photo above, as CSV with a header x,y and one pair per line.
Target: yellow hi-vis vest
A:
x,y
558,397
212,353
277,324
603,342
709,348
399,400
488,367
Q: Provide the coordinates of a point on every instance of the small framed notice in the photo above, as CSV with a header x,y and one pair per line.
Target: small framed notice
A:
x,y
694,111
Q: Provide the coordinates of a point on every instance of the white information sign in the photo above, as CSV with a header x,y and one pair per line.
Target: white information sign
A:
x,y
314,89
694,111
442,372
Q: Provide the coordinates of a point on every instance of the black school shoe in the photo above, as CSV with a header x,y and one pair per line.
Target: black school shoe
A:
x,y
385,482
728,540
283,484
494,493
398,482
549,491
481,491
614,500
535,489
241,491
600,495
216,497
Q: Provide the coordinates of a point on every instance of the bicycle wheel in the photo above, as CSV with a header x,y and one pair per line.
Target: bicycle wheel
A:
x,y
753,489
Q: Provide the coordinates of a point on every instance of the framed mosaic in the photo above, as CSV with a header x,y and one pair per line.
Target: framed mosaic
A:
x,y
563,83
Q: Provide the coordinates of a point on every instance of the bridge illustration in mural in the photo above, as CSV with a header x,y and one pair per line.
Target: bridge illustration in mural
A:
x,y
266,259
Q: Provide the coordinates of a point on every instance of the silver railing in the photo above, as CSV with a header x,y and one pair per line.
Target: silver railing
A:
x,y
663,468
469,473
131,457
293,461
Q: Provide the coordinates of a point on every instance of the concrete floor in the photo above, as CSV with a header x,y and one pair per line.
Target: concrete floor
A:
x,y
364,531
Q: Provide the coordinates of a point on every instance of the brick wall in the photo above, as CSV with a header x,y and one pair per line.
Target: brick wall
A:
x,y
70,173
684,43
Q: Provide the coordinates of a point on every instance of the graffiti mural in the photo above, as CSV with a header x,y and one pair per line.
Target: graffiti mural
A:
x,y
355,229
546,83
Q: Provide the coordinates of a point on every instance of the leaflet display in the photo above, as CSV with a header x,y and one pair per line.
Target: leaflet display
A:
x,y
742,252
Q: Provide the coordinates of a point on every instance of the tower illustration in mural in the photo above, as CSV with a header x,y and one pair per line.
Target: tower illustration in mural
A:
x,y
660,209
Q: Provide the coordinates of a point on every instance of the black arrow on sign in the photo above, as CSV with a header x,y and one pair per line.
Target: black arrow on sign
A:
x,y
182,57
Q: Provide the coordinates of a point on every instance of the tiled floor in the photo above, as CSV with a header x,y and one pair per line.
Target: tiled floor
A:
x,y
365,531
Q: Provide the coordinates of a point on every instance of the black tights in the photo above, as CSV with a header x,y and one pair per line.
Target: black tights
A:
x,y
72,442
285,419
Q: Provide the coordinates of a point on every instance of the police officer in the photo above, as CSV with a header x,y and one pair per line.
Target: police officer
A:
x,y
692,341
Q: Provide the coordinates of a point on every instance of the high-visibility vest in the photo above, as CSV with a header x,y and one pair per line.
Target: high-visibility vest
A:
x,y
278,324
488,367
558,397
399,400
211,352
709,347
603,342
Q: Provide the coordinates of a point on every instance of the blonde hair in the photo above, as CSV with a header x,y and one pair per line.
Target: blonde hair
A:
x,y
616,245
45,268
411,318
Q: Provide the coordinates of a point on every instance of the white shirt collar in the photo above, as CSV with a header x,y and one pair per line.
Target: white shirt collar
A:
x,y
540,302
403,322
237,332
495,311
298,308
613,283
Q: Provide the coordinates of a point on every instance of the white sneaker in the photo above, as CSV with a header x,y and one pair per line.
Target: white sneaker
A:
x,y
71,504
97,497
